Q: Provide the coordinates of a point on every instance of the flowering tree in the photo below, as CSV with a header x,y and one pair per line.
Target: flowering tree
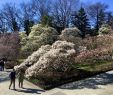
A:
x,y
39,36
9,46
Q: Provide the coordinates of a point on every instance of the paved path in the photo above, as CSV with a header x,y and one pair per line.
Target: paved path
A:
x,y
98,85
29,88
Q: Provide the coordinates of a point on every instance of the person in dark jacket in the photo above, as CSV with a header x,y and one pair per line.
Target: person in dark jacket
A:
x,y
12,78
2,65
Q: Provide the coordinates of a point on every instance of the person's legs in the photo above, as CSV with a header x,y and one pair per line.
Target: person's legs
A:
x,y
19,83
2,68
10,83
22,84
13,83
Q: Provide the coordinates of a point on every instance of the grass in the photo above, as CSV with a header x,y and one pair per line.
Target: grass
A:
x,y
96,67
20,61
34,81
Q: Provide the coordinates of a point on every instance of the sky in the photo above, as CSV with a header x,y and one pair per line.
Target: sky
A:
x,y
108,2
7,1
2,2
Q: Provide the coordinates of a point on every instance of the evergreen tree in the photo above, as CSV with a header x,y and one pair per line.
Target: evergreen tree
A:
x,y
100,20
109,19
15,25
46,20
27,26
80,20
97,14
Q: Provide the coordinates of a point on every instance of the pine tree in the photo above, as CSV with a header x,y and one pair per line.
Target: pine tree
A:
x,y
27,26
15,25
100,20
80,20
46,20
109,20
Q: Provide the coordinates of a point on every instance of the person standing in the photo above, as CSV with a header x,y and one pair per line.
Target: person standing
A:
x,y
3,63
12,79
21,78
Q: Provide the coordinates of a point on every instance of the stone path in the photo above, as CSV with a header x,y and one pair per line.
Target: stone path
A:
x,y
98,85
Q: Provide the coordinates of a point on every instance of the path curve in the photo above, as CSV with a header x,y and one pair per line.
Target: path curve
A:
x,y
29,88
101,84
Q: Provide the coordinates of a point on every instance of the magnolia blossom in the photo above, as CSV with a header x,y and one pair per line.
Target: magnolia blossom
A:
x,y
58,59
53,62
105,29
38,36
71,35
98,54
32,59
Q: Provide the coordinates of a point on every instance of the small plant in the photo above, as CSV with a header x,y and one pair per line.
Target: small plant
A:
x,y
105,29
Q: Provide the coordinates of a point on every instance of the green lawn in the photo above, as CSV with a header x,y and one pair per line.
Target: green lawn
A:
x,y
95,67
20,61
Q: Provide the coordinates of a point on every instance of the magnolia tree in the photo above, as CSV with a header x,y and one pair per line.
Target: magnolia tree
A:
x,y
56,60
98,42
71,35
105,29
39,36
98,48
33,58
9,46
92,56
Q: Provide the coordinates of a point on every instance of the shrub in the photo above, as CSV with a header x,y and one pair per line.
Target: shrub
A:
x,y
92,56
71,35
59,59
34,57
98,48
98,42
105,29
9,46
23,38
39,36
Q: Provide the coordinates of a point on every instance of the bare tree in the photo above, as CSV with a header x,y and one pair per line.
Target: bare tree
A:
x,y
41,7
62,10
109,19
9,46
27,11
3,24
27,16
10,14
97,13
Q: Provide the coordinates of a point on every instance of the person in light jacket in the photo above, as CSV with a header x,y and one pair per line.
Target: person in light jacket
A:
x,y
20,76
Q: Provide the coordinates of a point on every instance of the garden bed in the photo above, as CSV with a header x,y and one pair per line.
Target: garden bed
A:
x,y
83,70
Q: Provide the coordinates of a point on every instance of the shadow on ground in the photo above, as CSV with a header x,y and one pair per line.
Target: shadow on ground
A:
x,y
29,90
91,83
4,76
